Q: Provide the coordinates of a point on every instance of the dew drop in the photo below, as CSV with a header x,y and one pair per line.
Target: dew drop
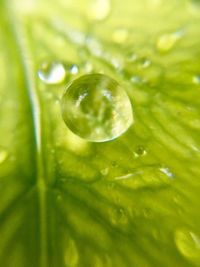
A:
x,y
96,108
73,69
135,79
52,73
3,155
71,254
132,57
120,35
118,216
188,243
87,67
105,171
144,63
140,151
167,41
99,9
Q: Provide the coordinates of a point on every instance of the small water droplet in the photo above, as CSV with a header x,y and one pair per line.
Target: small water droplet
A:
x,y
73,69
99,9
96,108
140,151
132,57
3,155
167,41
136,79
118,216
87,67
71,254
188,243
144,63
105,171
120,35
52,73
59,198
196,79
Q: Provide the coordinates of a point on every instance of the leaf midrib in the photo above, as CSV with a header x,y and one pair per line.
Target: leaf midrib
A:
x,y
17,34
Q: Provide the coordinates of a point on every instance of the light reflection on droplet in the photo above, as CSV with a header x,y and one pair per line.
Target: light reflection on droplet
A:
x,y
73,69
140,151
166,171
188,243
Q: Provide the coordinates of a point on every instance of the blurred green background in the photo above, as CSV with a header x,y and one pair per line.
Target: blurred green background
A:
x,y
130,202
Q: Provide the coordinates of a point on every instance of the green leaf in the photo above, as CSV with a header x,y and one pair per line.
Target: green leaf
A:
x,y
132,201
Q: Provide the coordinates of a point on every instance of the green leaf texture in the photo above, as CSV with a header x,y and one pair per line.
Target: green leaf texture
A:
x,y
130,202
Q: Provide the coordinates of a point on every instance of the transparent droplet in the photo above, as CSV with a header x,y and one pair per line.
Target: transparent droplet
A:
x,y
73,69
196,79
71,254
144,63
118,216
87,67
132,57
52,73
188,243
99,9
136,79
167,41
3,155
148,176
140,151
120,35
96,108
105,171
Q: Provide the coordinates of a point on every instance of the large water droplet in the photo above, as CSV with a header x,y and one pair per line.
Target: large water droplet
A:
x,y
188,243
99,9
3,155
96,108
52,73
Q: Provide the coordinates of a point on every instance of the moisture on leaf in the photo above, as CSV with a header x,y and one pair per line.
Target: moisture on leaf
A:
x,y
132,201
